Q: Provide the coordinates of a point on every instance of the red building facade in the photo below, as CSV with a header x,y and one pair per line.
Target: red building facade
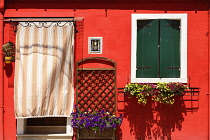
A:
x,y
113,22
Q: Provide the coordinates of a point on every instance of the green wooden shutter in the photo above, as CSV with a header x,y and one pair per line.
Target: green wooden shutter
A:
x,y
169,48
147,49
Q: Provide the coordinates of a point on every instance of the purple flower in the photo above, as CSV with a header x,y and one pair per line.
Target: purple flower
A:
x,y
96,120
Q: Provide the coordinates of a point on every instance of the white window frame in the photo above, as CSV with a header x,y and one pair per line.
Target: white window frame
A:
x,y
183,47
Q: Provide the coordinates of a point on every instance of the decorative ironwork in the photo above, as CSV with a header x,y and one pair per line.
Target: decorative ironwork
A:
x,y
42,22
191,99
45,24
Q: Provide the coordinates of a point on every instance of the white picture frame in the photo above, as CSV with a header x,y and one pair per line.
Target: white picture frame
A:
x,y
94,45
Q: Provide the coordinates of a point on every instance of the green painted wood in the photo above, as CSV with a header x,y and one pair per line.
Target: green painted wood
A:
x,y
147,49
169,48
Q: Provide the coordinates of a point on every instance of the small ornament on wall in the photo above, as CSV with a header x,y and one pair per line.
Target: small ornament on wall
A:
x,y
95,45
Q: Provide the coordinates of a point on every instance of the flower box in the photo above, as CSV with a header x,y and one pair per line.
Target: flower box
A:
x,y
163,93
95,124
86,133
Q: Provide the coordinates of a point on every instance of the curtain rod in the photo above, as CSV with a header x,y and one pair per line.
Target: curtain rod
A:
x,y
43,19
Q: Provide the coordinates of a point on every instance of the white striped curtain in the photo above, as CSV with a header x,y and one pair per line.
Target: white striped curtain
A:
x,y
44,71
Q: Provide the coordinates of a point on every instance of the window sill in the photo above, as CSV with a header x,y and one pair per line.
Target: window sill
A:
x,y
156,80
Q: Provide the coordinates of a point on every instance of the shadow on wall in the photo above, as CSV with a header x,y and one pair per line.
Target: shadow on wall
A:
x,y
154,121
79,40
9,71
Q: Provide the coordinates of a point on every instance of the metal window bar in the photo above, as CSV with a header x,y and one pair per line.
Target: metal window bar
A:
x,y
191,99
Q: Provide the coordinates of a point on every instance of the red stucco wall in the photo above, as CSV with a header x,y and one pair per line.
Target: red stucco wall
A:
x,y
113,23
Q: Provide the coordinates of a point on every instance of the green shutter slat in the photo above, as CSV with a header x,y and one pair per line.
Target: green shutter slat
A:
x,y
147,49
169,48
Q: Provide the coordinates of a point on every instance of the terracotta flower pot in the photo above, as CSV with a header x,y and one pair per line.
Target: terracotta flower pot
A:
x,y
8,60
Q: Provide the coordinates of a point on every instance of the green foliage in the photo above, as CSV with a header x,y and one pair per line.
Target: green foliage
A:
x,y
8,49
160,92
140,91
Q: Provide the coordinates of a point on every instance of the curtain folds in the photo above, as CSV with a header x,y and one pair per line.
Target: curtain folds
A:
x,y
44,71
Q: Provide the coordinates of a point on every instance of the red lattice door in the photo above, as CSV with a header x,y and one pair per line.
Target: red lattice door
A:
x,y
96,84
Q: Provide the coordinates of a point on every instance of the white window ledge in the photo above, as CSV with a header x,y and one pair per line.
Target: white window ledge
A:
x,y
156,80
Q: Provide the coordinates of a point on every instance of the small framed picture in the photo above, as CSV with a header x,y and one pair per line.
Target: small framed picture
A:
x,y
95,45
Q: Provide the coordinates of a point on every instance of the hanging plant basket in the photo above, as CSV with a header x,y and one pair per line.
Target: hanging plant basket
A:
x,y
9,52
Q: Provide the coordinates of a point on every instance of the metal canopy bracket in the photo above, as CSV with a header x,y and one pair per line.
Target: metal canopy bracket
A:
x,y
42,22
45,24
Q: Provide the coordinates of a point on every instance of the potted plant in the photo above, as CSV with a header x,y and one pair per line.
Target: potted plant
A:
x,y
95,123
161,92
9,52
